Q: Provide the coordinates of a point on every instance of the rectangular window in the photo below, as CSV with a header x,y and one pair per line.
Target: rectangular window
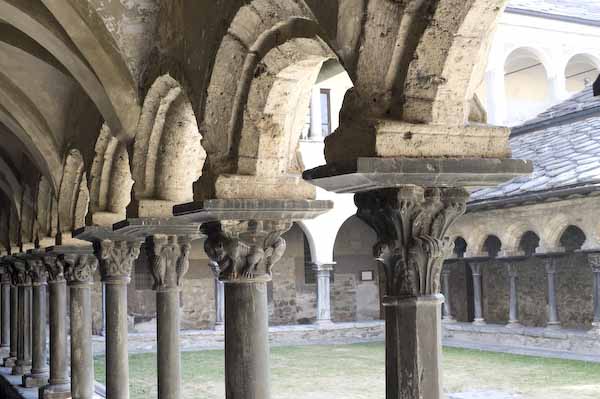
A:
x,y
326,112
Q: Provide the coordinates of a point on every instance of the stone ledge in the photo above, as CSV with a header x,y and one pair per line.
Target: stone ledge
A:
x,y
366,174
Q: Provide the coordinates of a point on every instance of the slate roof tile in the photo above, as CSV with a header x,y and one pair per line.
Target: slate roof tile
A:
x,y
586,9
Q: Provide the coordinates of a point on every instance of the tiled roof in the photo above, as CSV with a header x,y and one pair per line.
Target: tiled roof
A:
x,y
585,9
564,154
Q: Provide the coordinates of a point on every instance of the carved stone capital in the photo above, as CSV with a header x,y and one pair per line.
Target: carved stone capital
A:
x,y
411,225
594,261
79,268
36,269
245,251
19,274
55,269
169,260
475,268
512,270
116,259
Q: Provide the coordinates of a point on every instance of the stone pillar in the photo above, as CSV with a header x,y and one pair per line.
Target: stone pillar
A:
x,y
246,252
553,320
446,308
59,386
39,369
316,131
11,360
323,272
477,294
79,272
5,310
412,254
594,261
169,259
116,262
219,296
23,363
513,313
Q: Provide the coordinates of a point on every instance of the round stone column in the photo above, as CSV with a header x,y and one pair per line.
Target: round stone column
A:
x,y
39,369
219,297
513,313
79,271
169,257
23,363
14,326
550,266
477,294
59,385
323,272
594,261
446,308
5,311
116,262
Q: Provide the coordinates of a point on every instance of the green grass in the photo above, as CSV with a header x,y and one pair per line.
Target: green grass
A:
x,y
357,372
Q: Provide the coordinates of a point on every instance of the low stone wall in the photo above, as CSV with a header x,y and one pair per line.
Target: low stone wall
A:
x,y
560,340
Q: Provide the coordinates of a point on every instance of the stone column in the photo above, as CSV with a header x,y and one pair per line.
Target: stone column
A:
x,y
412,253
79,272
59,386
39,370
323,272
169,259
23,363
513,313
477,295
246,252
11,360
316,131
219,296
5,310
553,320
594,261
116,262
496,96
446,308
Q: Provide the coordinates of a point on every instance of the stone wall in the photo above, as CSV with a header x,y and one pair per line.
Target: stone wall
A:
x,y
574,293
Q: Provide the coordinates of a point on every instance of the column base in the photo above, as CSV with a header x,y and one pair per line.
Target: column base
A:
x,y
514,324
324,323
58,391
35,380
219,327
20,369
448,319
553,326
479,322
9,362
595,329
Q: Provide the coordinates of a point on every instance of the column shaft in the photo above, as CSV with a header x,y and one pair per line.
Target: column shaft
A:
x,y
219,304
247,371
513,312
477,294
39,369
5,332
59,384
23,364
323,293
413,342
596,321
82,361
169,357
446,308
14,325
553,321
117,360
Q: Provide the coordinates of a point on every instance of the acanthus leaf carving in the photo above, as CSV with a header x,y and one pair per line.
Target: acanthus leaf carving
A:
x,y
411,225
117,258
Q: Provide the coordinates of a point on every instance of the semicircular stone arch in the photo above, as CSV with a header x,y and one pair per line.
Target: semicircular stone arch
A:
x,y
73,197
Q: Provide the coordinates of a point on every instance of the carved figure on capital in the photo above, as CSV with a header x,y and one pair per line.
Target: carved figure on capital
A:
x,y
79,268
169,260
411,225
19,274
36,269
117,257
55,268
245,251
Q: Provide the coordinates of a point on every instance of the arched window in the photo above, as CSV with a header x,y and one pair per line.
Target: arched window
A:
x,y
572,238
529,243
492,246
581,71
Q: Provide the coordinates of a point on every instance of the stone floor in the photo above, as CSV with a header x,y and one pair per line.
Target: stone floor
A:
x,y
482,395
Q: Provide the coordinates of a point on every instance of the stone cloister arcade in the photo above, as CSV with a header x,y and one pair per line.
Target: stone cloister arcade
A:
x,y
158,122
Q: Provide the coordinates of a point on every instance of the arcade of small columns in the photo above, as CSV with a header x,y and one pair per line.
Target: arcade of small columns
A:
x,y
553,320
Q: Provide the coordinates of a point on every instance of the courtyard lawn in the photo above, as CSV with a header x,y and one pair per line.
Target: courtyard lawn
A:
x,y
357,372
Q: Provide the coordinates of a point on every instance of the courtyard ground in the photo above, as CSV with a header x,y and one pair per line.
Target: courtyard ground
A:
x,y
357,372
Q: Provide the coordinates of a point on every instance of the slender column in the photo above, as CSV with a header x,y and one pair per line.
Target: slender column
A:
x,y
553,320
219,296
116,261
23,363
79,271
323,293
478,307
412,254
5,317
316,131
59,386
446,308
169,259
246,252
39,370
594,261
513,312
11,360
